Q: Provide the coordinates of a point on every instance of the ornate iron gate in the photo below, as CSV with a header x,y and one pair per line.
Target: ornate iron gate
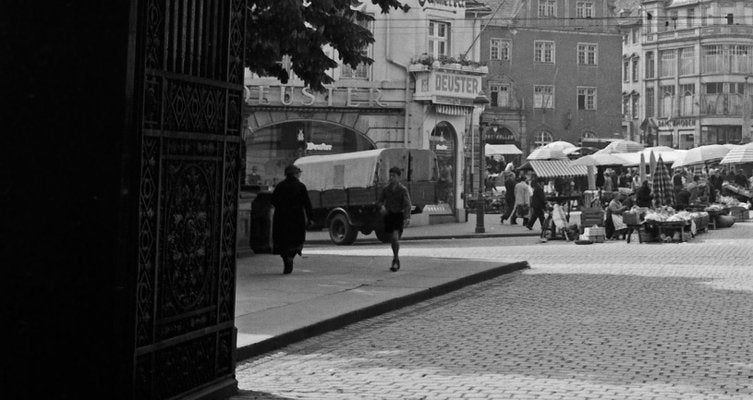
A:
x,y
190,78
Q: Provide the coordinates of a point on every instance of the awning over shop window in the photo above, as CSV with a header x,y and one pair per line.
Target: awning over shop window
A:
x,y
490,149
555,168
452,110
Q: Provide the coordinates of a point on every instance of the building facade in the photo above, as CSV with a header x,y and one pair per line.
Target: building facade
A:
x,y
554,72
418,93
694,74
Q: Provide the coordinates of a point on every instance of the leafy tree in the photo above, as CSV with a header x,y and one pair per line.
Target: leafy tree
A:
x,y
300,29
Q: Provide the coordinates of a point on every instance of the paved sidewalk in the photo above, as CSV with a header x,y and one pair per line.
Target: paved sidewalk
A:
x,y
492,228
326,292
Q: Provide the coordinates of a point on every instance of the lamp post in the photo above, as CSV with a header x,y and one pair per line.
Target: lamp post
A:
x,y
480,101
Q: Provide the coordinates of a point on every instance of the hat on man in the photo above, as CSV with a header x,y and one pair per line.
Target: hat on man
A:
x,y
291,170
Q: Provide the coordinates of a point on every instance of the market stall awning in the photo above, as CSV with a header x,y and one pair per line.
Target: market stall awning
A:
x,y
555,168
490,149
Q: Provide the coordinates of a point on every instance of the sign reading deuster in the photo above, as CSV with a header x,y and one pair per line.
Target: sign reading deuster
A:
x,y
454,84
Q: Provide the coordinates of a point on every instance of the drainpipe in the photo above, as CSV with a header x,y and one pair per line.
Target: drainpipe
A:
x,y
407,82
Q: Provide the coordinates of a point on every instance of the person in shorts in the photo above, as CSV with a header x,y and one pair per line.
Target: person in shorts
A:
x,y
395,206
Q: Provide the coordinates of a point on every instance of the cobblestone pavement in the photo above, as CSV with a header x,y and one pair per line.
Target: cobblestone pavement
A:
x,y
602,321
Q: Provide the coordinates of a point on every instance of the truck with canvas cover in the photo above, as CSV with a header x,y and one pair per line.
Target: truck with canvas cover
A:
x,y
344,188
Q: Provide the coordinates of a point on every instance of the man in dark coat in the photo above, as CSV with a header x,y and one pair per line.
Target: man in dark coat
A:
x,y
538,205
292,213
509,196
643,197
395,206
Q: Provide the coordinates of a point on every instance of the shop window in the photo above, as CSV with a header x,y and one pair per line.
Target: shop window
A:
x,y
667,100
667,64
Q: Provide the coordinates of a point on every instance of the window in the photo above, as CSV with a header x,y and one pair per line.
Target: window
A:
x,y
667,65
741,58
439,38
587,53
688,99
727,59
584,9
499,49
634,32
650,65
362,70
500,95
687,61
586,98
543,96
542,138
547,8
667,100
690,17
626,71
635,70
543,51
625,105
649,102
634,108
625,39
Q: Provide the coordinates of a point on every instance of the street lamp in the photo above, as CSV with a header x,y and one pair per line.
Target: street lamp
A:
x,y
480,101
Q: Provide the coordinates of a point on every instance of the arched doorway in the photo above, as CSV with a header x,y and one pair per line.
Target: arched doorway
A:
x,y
443,142
270,149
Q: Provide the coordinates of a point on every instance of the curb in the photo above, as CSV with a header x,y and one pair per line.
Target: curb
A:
x,y
437,237
351,317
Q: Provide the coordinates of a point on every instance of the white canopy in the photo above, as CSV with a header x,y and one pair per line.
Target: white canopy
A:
x,y
490,149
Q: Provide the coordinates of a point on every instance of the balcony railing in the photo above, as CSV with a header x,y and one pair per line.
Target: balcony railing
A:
x,y
703,31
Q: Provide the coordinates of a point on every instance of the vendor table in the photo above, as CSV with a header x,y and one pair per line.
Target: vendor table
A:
x,y
668,225
562,199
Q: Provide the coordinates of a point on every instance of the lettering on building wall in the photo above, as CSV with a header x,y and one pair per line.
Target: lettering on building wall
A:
x,y
303,96
319,147
452,83
669,124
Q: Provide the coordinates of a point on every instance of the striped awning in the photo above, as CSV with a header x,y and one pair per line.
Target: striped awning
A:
x,y
555,168
452,110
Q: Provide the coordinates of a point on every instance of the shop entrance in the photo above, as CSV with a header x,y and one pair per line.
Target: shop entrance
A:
x,y
443,141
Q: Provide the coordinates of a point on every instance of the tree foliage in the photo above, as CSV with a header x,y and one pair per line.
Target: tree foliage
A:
x,y
300,29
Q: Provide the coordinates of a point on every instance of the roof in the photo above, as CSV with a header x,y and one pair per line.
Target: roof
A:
x,y
504,11
555,168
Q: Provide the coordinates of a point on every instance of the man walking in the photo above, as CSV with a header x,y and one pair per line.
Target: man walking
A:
x,y
522,201
509,195
395,206
538,205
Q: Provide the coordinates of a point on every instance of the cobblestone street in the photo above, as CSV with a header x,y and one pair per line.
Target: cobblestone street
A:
x,y
602,321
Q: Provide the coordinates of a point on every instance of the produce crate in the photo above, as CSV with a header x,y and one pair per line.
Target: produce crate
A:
x,y
590,217
646,236
740,213
596,238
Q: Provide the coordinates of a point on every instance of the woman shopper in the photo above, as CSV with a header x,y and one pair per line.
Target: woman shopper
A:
x,y
291,216
522,201
615,210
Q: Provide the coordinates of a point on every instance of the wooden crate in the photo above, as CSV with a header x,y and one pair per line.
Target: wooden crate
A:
x,y
740,213
591,217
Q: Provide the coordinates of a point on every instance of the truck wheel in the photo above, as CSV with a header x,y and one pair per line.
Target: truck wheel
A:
x,y
340,231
